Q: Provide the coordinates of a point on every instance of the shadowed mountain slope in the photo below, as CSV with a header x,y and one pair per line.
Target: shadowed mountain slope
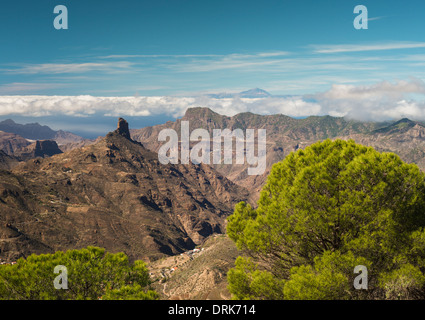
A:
x,y
284,135
113,194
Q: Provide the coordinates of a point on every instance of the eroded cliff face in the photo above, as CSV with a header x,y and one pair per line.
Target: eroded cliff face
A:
x,y
113,194
38,149
10,142
406,138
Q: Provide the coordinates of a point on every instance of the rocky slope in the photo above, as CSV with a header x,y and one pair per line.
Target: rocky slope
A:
x,y
284,135
11,142
196,275
38,149
113,194
406,138
7,162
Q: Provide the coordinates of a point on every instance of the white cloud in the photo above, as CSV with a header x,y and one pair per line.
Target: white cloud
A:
x,y
135,56
254,55
22,87
291,106
88,105
341,48
380,90
376,18
209,62
379,101
145,106
58,68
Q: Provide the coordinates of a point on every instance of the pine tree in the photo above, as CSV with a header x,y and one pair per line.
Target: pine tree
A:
x,y
92,273
323,211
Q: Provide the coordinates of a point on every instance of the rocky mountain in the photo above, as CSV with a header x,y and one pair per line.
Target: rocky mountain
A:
x,y
11,142
7,162
79,144
405,137
284,135
400,127
113,194
22,149
33,140
40,148
35,131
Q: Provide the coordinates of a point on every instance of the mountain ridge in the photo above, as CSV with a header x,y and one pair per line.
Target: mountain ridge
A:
x,y
114,194
35,131
286,134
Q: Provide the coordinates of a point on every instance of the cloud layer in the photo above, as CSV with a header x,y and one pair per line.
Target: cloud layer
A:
x,y
379,101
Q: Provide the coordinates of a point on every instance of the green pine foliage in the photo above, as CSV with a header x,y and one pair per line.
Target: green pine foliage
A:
x,y
92,274
325,210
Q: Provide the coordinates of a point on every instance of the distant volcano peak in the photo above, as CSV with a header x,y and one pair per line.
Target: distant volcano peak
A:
x,y
255,93
252,94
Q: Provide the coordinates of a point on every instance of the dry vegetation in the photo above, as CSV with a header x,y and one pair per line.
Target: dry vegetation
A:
x,y
202,276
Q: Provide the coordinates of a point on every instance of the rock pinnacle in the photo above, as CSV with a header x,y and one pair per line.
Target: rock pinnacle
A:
x,y
122,128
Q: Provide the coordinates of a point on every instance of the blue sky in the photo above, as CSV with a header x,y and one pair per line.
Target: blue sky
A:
x,y
184,48
180,47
